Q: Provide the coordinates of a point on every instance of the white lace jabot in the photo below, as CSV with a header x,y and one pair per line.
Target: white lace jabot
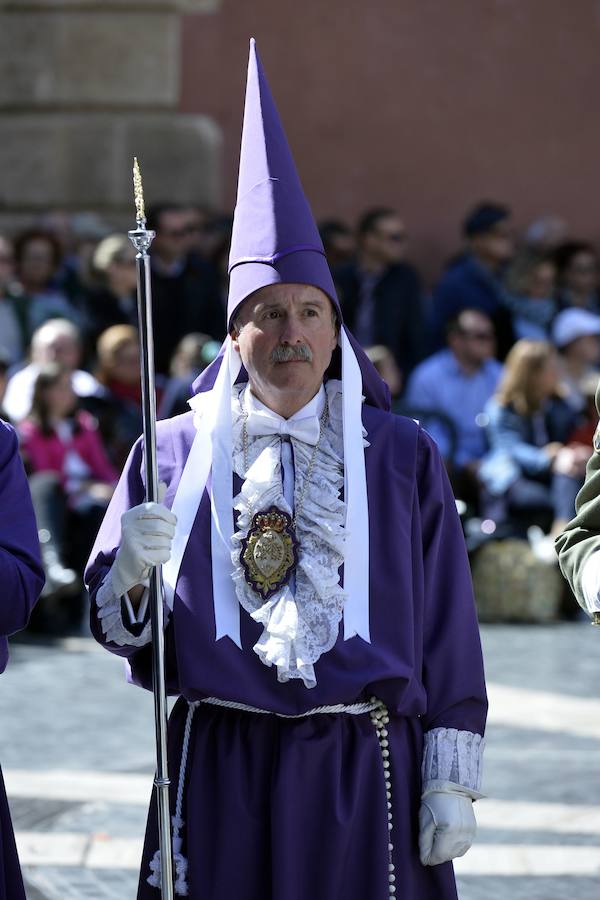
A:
x,y
297,628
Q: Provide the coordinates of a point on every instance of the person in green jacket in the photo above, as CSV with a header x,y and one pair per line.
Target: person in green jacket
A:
x,y
578,544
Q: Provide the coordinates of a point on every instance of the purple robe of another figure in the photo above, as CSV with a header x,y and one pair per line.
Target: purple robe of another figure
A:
x,y
21,580
284,809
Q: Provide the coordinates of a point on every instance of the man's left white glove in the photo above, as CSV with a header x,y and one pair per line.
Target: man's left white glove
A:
x,y
447,825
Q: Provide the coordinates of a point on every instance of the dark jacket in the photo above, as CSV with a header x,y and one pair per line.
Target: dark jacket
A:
x,y
467,284
184,303
399,318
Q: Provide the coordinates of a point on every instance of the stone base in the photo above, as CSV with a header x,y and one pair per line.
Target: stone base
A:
x,y
78,161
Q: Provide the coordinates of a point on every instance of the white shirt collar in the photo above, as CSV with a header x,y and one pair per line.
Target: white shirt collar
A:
x,y
314,407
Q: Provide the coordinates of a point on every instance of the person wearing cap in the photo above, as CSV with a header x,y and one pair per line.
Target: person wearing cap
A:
x,y
576,334
22,579
473,280
321,634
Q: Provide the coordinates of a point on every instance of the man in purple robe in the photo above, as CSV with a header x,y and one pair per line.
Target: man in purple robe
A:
x,y
22,578
308,760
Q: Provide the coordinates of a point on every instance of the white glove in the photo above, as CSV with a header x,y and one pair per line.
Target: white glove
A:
x,y
447,825
147,533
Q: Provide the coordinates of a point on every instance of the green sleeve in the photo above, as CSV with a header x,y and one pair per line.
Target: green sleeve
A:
x,y
581,536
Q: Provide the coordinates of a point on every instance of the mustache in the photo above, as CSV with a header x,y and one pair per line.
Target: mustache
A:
x,y
291,353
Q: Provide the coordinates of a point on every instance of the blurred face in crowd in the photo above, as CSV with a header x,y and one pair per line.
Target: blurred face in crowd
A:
x,y
37,264
60,397
581,275
121,273
547,378
6,264
472,340
584,350
54,345
172,235
541,281
199,233
495,246
386,242
285,334
124,365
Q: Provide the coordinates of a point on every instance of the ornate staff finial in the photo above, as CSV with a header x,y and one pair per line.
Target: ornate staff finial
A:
x,y
138,192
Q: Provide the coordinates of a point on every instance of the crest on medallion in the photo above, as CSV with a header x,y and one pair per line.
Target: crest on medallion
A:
x,y
269,551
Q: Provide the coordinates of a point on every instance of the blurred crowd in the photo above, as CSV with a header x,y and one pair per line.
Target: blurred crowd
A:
x,y
499,360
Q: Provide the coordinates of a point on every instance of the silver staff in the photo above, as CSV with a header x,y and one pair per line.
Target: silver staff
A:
x,y
141,239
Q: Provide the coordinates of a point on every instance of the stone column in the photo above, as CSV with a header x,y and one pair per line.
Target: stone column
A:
x,y
84,86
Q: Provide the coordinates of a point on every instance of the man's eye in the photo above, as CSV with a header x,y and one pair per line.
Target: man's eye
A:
x,y
312,312
273,314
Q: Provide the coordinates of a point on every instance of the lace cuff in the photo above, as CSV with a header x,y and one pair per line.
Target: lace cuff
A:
x,y
110,614
452,755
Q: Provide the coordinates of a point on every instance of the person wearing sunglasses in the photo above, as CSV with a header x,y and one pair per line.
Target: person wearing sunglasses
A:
x,y
381,292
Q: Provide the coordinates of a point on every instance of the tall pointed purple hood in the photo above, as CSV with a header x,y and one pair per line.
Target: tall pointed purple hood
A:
x,y
275,238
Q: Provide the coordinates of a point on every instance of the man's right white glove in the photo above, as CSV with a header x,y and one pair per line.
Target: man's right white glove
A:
x,y
147,533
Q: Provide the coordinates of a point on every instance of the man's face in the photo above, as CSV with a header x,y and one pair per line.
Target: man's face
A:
x,y
286,335
60,348
496,245
581,274
387,241
172,235
474,341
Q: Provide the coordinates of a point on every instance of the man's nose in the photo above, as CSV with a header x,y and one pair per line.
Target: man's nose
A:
x,y
291,331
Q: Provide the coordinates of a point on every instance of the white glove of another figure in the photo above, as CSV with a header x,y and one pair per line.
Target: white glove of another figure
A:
x,y
147,533
447,825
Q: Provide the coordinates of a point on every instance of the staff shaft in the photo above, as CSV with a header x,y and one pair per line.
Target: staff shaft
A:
x,y
161,780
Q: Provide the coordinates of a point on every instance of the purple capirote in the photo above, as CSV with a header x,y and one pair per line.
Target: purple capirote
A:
x,y
21,580
275,238
284,810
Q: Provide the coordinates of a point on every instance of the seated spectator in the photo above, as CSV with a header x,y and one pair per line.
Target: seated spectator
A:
x,y
457,383
71,483
529,478
576,334
58,340
338,242
193,354
37,259
383,360
118,371
380,293
578,282
529,295
13,336
185,288
474,279
113,301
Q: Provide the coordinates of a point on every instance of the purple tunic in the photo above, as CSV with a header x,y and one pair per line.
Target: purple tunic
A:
x,y
21,578
290,809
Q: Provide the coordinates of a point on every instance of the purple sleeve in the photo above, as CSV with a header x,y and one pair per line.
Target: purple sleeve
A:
x,y
21,572
128,493
453,666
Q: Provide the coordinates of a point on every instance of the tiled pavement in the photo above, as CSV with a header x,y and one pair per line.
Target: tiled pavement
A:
x,y
77,750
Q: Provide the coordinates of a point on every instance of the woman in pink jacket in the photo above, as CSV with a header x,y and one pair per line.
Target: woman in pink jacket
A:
x,y
71,481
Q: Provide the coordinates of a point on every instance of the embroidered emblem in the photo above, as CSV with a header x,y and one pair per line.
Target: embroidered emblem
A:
x,y
269,552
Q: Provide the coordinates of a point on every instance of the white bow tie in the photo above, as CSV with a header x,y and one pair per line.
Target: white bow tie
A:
x,y
261,422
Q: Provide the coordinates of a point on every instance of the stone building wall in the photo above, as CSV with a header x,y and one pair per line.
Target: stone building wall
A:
x,y
84,86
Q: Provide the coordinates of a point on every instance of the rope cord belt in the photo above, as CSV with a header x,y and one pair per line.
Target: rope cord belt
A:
x,y
379,716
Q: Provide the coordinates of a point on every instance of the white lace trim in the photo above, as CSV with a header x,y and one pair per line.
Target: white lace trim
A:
x,y
452,755
299,627
109,607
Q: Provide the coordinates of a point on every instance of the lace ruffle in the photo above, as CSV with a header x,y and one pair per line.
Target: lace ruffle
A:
x,y
298,628
452,755
110,615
